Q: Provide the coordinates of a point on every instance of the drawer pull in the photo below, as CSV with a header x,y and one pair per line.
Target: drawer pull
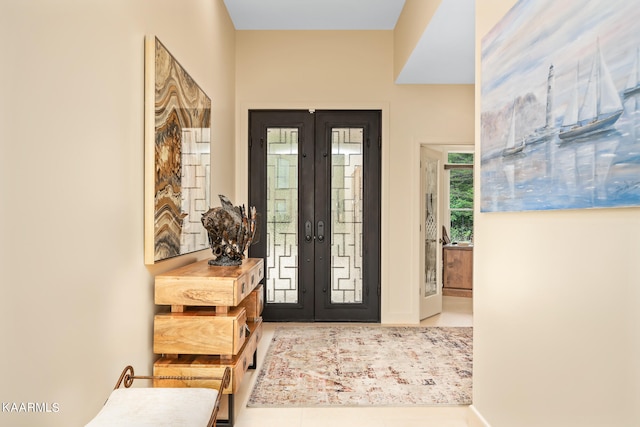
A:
x,y
253,280
243,287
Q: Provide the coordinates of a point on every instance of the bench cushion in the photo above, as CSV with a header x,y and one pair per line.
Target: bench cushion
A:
x,y
157,407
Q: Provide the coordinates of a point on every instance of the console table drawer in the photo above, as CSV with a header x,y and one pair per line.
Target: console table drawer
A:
x,y
200,284
199,332
254,303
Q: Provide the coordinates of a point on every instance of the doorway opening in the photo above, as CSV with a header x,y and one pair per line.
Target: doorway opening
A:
x,y
446,226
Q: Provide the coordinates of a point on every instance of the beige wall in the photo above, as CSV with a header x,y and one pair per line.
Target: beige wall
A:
x,y
77,299
354,69
556,319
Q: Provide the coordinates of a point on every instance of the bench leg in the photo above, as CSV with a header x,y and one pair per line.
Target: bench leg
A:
x,y
230,404
228,422
254,363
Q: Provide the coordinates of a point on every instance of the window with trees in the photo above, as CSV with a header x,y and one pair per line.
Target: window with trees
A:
x,y
460,168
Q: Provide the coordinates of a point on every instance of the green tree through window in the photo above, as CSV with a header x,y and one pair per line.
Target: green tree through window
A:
x,y
461,196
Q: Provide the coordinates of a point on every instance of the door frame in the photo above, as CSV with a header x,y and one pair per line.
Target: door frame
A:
x,y
241,188
443,147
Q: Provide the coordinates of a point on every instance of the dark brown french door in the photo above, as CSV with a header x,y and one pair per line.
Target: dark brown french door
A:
x,y
314,177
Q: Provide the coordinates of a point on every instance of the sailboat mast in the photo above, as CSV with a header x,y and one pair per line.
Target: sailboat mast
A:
x,y
637,67
549,111
598,70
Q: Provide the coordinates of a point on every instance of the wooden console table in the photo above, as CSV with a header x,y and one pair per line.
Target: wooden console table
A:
x,y
215,322
457,278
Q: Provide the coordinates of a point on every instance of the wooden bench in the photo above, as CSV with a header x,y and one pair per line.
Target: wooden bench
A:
x,y
161,406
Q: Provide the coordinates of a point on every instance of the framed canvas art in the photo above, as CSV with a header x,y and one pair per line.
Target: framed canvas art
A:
x,y
177,157
560,119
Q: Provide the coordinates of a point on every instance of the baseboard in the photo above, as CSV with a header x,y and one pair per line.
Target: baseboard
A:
x,y
454,292
475,419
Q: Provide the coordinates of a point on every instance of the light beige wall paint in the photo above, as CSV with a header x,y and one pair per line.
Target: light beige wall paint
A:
x,y
354,69
556,319
77,300
413,20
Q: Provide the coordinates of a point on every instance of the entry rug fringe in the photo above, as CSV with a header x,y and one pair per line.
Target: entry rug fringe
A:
x,y
365,365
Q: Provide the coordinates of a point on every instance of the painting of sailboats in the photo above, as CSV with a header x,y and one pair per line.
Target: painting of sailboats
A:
x,y
560,119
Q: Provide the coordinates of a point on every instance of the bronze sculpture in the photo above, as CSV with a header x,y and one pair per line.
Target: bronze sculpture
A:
x,y
230,232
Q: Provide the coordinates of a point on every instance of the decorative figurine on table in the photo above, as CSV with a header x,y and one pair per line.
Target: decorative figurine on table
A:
x,y
230,232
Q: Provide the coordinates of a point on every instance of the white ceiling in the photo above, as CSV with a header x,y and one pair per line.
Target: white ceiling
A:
x,y
444,54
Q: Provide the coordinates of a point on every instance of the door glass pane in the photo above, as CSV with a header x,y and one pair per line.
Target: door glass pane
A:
x,y
346,215
430,286
282,215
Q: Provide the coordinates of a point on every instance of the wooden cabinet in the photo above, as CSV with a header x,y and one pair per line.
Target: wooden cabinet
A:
x,y
215,322
457,264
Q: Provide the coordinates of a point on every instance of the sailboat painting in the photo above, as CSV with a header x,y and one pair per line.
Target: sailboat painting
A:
x,y
560,101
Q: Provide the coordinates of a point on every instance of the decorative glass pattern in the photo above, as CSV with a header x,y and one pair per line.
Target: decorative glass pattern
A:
x,y
431,229
282,215
346,215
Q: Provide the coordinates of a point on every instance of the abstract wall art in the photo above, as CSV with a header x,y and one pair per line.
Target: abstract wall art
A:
x,y
560,119
177,157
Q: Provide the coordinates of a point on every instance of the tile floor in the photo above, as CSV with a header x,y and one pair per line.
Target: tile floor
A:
x,y
456,312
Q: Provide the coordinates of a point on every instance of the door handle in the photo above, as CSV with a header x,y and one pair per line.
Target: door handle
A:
x,y
307,231
321,230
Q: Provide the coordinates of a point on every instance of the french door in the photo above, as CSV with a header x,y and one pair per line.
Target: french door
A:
x,y
431,251
314,178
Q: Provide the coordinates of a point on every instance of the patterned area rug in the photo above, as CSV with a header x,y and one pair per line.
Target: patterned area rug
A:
x,y
365,366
